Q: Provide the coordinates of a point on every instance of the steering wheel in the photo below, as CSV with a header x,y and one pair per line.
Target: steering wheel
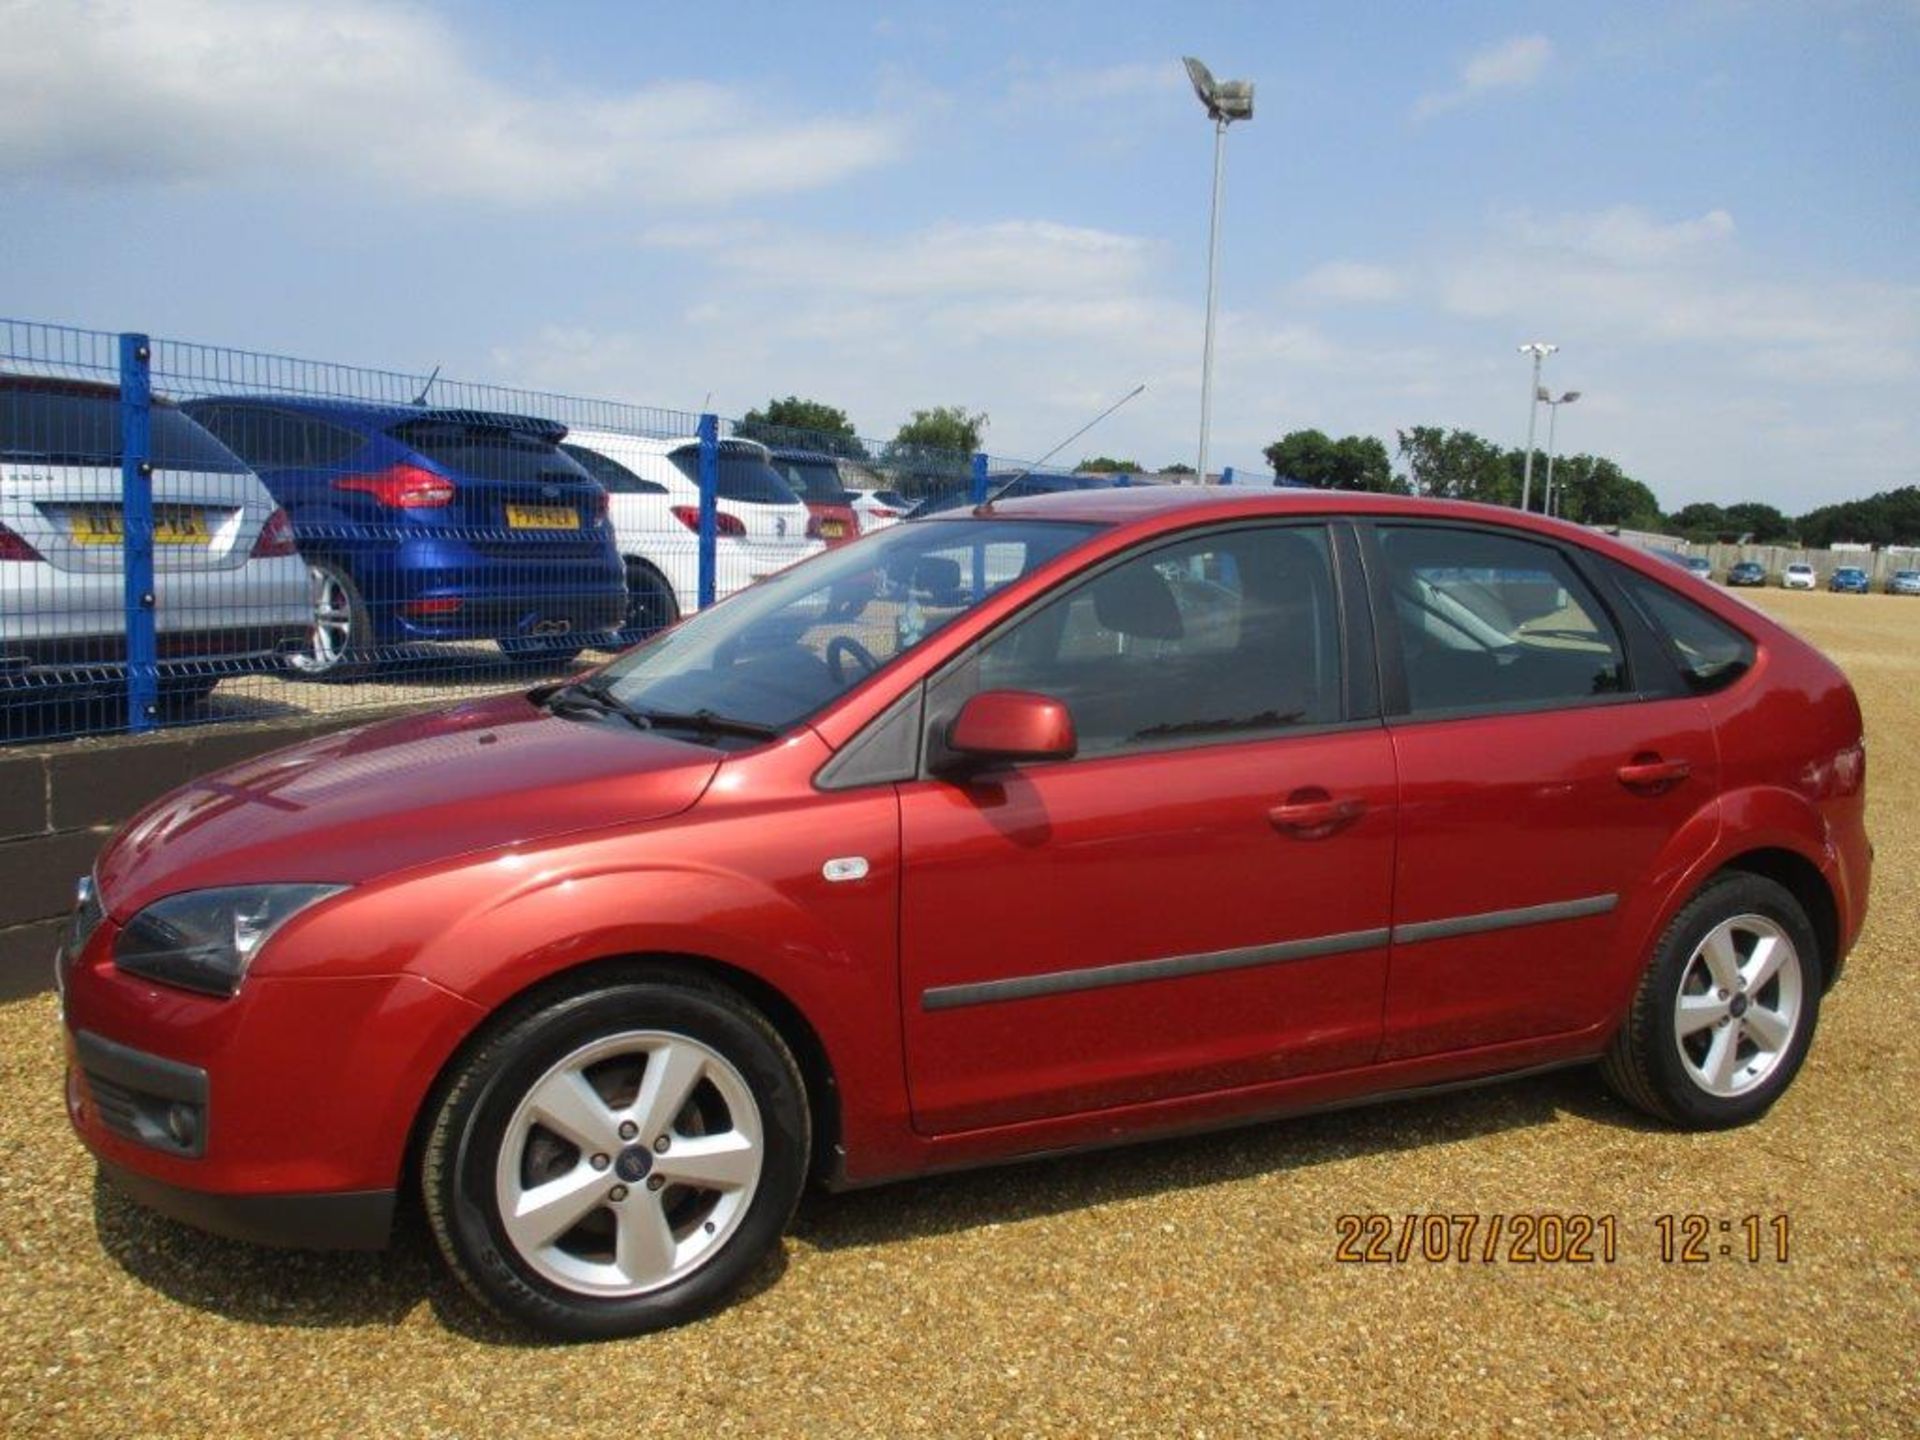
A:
x,y
839,649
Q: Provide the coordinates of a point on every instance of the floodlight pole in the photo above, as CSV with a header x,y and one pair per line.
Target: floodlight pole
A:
x,y
1213,268
1553,421
1539,349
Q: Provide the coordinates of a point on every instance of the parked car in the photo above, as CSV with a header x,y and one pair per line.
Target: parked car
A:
x,y
423,524
761,525
1013,486
1849,580
1693,564
879,508
815,478
230,594
1799,577
1215,809
1904,582
1747,572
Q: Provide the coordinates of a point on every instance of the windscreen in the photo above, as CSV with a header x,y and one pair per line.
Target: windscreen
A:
x,y
745,475
776,653
64,428
488,452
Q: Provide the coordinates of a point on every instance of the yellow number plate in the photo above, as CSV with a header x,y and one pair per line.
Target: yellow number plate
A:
x,y
543,517
831,529
172,525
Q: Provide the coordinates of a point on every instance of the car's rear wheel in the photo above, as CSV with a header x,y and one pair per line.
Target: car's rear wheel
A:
x,y
341,643
617,1159
651,604
1726,1009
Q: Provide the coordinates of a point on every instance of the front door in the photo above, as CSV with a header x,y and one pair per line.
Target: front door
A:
x,y
1200,899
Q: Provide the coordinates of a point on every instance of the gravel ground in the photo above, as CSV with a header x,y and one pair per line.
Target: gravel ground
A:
x,y
1178,1288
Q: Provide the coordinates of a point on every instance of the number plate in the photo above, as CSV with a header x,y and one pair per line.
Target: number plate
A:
x,y
543,517
832,529
172,525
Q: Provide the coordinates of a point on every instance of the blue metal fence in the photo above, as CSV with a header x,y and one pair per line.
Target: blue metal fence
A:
x,y
192,533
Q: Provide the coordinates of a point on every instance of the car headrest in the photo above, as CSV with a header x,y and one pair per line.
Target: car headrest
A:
x,y
938,578
1136,600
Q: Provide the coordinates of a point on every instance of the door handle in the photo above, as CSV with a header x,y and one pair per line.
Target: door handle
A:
x,y
1649,773
1312,814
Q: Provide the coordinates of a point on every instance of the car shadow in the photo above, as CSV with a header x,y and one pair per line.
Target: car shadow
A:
x,y
1047,1186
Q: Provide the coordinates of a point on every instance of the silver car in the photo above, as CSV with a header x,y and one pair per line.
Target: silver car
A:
x,y
1904,582
230,592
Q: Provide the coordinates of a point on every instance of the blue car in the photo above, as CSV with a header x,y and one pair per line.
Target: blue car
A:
x,y
425,524
1849,580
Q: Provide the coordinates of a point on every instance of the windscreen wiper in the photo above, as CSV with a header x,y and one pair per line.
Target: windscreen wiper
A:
x,y
707,722
592,698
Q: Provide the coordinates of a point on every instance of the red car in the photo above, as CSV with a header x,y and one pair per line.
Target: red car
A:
x,y
815,478
1055,824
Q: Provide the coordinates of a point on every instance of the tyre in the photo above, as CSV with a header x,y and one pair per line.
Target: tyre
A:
x,y
1726,1009
617,1159
341,645
651,605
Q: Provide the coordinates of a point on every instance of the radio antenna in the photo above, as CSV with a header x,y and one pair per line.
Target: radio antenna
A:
x,y
987,504
421,398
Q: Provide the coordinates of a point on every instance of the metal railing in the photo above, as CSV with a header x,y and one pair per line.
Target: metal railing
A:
x,y
192,534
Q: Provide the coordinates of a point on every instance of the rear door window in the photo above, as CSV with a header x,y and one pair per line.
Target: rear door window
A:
x,y
1711,653
1490,622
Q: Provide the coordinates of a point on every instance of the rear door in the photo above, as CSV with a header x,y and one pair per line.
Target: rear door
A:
x,y
1544,764
1198,900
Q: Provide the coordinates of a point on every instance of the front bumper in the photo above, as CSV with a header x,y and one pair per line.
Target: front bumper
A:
x,y
361,1220
300,1093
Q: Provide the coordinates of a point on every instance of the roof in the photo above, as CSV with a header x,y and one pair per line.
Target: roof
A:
x,y
387,412
654,444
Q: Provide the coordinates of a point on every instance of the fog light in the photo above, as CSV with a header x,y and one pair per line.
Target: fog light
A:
x,y
183,1125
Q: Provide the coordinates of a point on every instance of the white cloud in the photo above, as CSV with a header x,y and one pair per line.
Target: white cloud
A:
x,y
1511,65
1055,86
1011,256
192,90
1349,282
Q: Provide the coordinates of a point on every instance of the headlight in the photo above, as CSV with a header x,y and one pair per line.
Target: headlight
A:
x,y
205,939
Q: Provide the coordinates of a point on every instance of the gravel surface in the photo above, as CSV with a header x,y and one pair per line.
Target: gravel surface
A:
x,y
1180,1288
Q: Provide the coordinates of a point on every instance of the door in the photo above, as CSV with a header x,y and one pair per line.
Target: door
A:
x,y
1540,780
1199,899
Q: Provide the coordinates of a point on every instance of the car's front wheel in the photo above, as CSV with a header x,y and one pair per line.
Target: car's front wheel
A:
x,y
1725,1011
619,1158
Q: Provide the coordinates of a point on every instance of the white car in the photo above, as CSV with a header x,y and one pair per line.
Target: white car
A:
x,y
653,498
874,501
230,592
1800,577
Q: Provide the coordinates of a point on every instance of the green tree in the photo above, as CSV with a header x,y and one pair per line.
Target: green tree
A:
x,y
936,444
1176,469
1593,490
809,424
1456,465
1891,517
1354,462
1106,465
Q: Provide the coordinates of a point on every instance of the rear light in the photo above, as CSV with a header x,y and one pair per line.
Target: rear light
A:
x,y
402,486
276,537
599,504
13,547
448,605
723,524
881,512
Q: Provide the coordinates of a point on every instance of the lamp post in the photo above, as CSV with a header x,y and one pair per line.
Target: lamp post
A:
x,y
1226,101
1553,419
1539,350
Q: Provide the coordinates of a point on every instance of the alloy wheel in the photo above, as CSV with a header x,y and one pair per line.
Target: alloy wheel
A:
x,y
629,1164
332,623
1739,1005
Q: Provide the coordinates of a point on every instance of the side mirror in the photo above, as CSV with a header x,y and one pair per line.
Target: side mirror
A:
x,y
1008,725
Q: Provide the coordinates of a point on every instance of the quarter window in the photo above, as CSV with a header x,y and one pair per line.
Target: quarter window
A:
x,y
1495,622
1711,653
1217,638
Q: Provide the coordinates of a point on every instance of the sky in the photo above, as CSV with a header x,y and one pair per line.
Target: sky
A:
x,y
1711,207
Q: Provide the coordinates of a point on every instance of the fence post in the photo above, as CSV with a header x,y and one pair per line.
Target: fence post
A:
x,y
978,484
136,530
709,506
